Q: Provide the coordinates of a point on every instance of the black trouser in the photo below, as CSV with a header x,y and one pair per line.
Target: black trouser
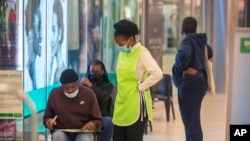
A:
x,y
133,132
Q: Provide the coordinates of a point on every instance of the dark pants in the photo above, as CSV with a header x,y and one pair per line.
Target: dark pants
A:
x,y
190,99
107,129
133,132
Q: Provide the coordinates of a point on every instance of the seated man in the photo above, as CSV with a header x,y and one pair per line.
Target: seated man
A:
x,y
75,107
97,79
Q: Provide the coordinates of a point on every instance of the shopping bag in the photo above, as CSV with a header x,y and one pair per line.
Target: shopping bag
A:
x,y
209,70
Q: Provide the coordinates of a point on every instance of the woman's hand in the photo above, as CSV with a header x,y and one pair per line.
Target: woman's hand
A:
x,y
190,71
87,82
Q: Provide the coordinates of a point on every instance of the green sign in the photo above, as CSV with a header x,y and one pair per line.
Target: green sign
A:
x,y
11,115
245,45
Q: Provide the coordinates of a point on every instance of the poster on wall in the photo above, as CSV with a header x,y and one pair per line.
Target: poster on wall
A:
x,y
11,106
34,54
90,39
9,25
34,44
154,31
94,28
110,54
56,40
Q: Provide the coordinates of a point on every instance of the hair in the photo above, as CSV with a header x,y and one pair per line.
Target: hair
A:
x,y
58,10
32,9
126,28
98,62
189,25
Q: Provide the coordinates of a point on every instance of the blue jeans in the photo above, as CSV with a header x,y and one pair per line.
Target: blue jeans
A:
x,y
65,136
107,129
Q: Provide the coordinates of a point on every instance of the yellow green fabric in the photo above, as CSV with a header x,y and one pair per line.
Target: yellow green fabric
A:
x,y
127,103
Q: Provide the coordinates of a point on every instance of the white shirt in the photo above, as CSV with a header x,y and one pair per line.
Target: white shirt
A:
x,y
147,63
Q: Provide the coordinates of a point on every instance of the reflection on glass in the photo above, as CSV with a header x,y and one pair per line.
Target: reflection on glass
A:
x,y
94,20
172,31
90,27
198,15
112,8
171,27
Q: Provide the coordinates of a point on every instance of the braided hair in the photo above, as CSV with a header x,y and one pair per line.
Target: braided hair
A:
x,y
98,62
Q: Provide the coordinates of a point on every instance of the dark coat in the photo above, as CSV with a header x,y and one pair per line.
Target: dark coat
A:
x,y
103,91
191,53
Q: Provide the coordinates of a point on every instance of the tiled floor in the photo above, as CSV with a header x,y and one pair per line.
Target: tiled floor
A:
x,y
213,116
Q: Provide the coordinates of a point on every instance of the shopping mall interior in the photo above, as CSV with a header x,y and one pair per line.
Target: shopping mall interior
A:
x,y
41,38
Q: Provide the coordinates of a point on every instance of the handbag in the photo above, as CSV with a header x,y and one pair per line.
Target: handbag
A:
x,y
209,70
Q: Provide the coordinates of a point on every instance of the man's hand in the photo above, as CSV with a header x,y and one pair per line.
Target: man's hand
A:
x,y
190,71
89,126
50,124
86,82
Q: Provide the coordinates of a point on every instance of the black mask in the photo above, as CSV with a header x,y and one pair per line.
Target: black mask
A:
x,y
96,77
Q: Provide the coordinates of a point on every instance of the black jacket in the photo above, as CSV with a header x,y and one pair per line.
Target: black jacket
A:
x,y
103,92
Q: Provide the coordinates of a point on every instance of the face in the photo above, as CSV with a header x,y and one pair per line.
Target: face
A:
x,y
96,69
55,35
70,87
37,28
122,40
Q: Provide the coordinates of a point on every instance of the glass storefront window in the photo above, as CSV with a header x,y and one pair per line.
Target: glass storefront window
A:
x,y
241,13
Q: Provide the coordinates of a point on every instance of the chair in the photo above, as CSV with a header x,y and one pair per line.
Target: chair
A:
x,y
162,91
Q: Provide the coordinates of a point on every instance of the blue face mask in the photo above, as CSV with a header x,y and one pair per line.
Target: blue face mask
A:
x,y
124,49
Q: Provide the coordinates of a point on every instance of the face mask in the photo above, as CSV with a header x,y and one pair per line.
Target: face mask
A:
x,y
125,48
96,77
72,95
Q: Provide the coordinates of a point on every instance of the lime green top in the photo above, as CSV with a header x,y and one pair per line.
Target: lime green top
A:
x,y
127,104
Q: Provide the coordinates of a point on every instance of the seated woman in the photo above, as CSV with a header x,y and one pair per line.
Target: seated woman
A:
x,y
97,79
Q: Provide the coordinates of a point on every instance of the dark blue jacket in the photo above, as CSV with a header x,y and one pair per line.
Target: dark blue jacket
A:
x,y
191,53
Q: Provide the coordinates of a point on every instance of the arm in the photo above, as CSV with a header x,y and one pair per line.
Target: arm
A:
x,y
103,94
49,114
209,51
152,68
184,55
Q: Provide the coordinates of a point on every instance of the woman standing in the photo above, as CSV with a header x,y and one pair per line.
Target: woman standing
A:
x,y
190,77
136,72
